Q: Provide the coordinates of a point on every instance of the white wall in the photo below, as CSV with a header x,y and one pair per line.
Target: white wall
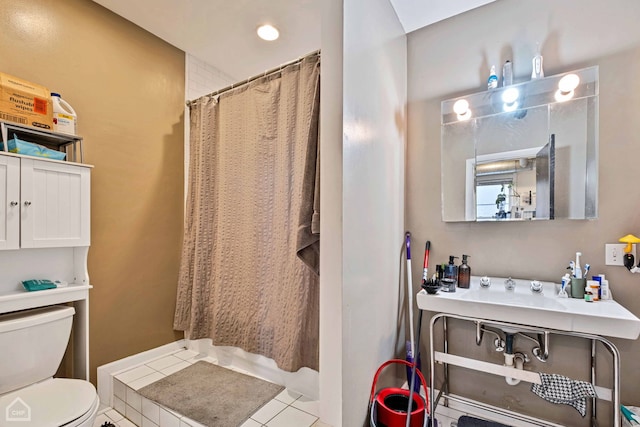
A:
x,y
331,368
371,165
203,79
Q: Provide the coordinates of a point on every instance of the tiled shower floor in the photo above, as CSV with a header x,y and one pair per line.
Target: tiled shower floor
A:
x,y
288,409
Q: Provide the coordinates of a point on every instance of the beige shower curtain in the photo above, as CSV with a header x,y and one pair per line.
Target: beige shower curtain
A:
x,y
248,275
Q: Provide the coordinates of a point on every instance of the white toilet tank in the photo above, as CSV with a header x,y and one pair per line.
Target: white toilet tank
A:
x,y
33,343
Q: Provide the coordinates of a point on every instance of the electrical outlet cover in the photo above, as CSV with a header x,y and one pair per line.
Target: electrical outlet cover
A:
x,y
614,253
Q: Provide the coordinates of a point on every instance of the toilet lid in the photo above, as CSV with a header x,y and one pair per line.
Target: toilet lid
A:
x,y
53,402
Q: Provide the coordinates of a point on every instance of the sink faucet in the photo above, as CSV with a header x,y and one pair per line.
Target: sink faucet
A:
x,y
509,284
485,282
536,287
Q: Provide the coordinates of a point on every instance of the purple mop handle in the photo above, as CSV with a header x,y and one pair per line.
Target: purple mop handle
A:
x,y
408,240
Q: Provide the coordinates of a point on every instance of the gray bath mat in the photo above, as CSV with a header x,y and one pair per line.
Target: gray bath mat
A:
x,y
211,395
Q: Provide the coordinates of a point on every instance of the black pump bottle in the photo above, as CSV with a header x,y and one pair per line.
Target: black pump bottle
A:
x,y
451,270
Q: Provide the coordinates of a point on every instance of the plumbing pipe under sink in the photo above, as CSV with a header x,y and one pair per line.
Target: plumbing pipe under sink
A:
x,y
511,359
516,361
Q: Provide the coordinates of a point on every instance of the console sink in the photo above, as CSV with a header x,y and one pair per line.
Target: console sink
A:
x,y
545,310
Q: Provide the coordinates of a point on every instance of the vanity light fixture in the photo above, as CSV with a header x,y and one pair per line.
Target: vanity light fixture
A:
x,y
461,108
566,87
510,99
268,32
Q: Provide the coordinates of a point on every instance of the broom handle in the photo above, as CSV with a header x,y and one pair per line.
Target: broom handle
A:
x,y
410,295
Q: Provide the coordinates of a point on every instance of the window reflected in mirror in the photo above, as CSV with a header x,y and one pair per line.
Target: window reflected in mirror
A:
x,y
524,152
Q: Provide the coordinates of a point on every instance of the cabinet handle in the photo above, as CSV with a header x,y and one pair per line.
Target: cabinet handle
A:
x,y
27,203
13,204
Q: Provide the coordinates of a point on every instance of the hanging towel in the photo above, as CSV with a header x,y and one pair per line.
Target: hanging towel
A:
x,y
562,390
308,234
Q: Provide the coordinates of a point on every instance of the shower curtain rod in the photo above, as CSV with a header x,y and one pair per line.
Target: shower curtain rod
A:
x,y
257,76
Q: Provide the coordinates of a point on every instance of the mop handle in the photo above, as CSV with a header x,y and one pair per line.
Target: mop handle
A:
x,y
410,293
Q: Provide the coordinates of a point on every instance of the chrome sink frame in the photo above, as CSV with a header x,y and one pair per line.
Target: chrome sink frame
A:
x,y
446,359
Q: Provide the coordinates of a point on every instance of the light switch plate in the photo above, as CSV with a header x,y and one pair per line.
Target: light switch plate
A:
x,y
614,253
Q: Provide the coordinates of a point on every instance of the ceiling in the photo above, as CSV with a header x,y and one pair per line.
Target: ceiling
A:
x,y
222,32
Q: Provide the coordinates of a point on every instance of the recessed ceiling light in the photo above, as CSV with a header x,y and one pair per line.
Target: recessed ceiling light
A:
x,y
268,32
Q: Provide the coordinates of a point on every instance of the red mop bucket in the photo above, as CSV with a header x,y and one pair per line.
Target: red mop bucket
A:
x,y
388,407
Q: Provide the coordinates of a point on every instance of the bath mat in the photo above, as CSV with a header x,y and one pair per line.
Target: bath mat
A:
x,y
211,395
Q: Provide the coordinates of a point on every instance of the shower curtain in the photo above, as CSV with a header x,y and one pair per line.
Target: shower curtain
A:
x,y
249,266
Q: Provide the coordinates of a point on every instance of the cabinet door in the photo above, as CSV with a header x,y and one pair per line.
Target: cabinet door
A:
x,y
10,202
55,204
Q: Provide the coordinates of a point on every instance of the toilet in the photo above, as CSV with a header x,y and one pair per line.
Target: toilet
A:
x,y
33,343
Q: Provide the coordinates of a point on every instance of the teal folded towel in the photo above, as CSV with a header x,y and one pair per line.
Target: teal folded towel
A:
x,y
38,285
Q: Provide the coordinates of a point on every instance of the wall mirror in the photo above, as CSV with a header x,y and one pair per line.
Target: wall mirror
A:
x,y
528,151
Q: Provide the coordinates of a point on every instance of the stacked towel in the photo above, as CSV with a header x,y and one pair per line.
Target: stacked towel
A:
x,y
563,390
38,285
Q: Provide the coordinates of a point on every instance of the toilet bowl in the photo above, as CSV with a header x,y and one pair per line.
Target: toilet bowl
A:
x,y
29,395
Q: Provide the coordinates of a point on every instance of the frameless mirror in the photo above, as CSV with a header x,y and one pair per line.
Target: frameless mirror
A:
x,y
528,151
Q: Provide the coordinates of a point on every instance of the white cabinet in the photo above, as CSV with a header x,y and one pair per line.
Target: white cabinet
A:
x,y
10,199
45,233
55,206
45,203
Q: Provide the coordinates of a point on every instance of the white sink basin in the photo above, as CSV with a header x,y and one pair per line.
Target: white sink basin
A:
x,y
546,310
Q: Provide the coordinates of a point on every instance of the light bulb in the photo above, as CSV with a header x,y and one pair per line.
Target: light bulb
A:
x,y
268,32
510,95
461,107
568,83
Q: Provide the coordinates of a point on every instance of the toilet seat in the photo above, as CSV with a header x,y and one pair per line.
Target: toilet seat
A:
x,y
54,402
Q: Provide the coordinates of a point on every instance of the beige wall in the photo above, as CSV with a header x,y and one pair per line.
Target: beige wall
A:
x,y
127,87
453,57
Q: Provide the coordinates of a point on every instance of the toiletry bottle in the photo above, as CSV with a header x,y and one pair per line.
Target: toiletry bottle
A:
x,y
605,292
537,72
507,74
451,274
599,280
565,287
492,81
594,289
464,273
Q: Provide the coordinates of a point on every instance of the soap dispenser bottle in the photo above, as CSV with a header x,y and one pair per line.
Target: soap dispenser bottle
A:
x,y
464,273
451,274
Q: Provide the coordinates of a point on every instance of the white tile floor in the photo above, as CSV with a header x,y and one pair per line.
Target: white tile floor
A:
x,y
288,409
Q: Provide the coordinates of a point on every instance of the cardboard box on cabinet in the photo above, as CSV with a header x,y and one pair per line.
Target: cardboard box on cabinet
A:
x,y
25,103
